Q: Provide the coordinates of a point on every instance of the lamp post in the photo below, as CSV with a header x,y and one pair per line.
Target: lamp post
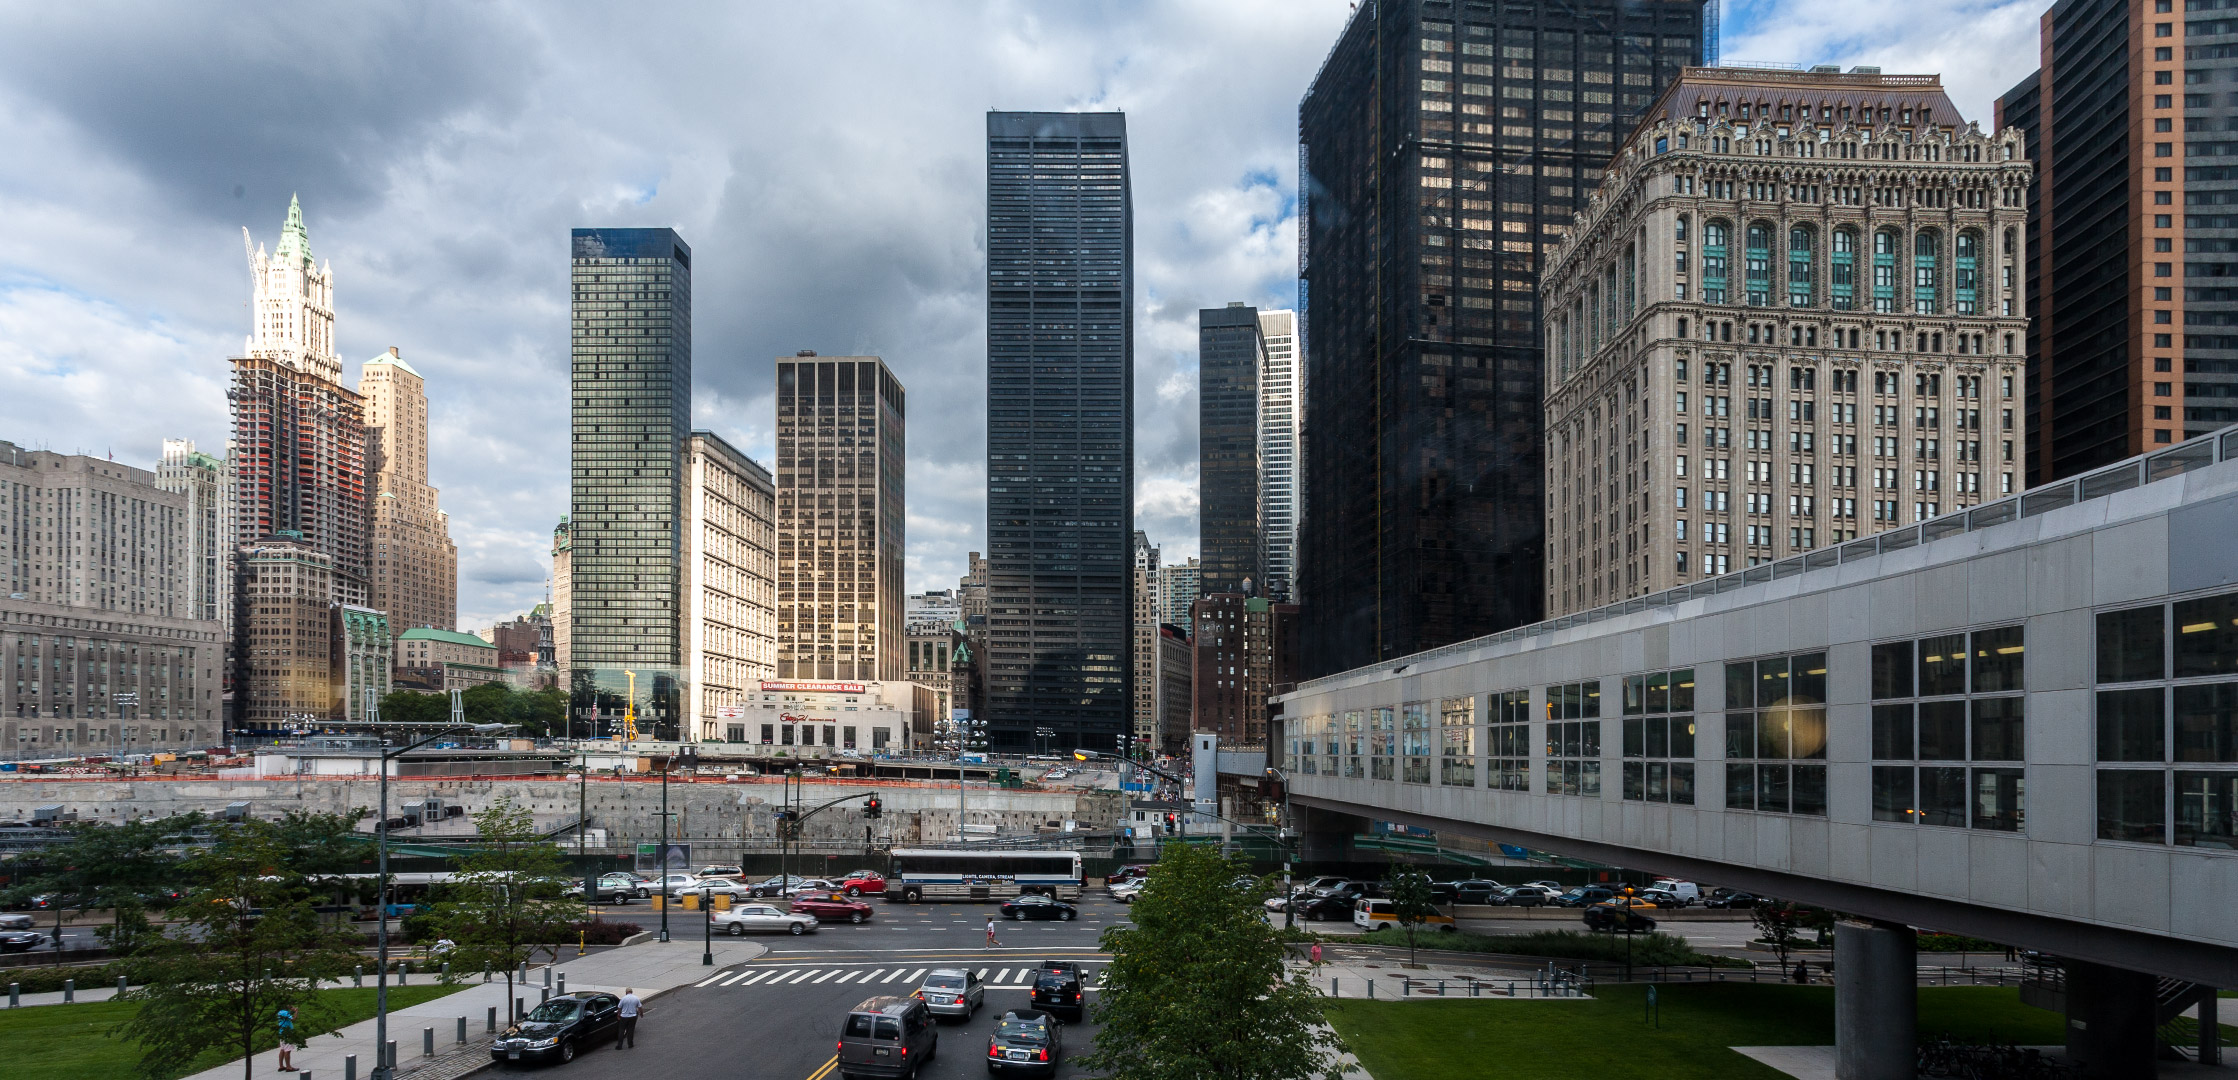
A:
x,y
707,922
666,760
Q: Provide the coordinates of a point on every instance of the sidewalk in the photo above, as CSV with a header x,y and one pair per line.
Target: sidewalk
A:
x,y
1352,980
650,968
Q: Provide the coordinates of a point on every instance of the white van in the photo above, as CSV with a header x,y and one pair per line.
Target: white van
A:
x,y
1684,890
1373,914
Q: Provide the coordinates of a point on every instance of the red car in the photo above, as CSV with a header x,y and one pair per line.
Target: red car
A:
x,y
863,881
832,907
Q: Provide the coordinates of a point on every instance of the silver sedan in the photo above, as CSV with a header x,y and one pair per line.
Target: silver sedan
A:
x,y
952,992
762,918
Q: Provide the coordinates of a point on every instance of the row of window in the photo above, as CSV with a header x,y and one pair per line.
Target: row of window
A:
x,y
1887,267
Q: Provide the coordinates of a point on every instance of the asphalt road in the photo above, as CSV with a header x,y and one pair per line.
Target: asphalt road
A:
x,y
778,1017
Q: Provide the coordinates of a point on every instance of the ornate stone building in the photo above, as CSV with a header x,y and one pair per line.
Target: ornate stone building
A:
x,y
415,565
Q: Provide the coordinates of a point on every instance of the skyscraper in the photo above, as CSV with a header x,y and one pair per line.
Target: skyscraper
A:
x,y
2129,345
563,598
730,584
415,565
1440,157
632,360
1178,589
1060,427
292,298
841,519
1232,536
1145,660
1279,398
206,483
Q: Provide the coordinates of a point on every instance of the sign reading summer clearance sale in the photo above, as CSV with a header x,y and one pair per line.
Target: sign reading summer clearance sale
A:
x,y
815,687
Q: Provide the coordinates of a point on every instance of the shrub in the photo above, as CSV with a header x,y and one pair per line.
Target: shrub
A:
x,y
1932,942
604,932
1648,950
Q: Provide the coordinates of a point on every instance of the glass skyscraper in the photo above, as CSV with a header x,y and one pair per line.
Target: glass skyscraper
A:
x,y
632,358
1060,428
1230,527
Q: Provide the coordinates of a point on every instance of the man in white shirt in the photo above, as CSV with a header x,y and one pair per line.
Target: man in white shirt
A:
x,y
630,1005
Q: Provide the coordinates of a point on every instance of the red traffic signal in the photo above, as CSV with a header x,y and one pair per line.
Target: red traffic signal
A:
x,y
872,808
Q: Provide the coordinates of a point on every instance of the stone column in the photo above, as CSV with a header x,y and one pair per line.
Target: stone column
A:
x,y
2110,1029
1876,1001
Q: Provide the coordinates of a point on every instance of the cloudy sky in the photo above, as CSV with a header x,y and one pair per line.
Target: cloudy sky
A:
x,y
824,161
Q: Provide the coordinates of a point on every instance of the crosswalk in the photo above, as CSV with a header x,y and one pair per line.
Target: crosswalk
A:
x,y
904,977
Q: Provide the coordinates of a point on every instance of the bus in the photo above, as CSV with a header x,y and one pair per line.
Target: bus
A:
x,y
963,874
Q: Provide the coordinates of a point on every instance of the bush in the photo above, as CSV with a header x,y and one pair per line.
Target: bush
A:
x,y
1930,942
603,932
1648,950
47,980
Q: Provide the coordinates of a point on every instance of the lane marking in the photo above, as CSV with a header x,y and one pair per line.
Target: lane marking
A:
x,y
826,975
982,974
825,1069
873,974
919,976
709,979
844,978
747,978
897,974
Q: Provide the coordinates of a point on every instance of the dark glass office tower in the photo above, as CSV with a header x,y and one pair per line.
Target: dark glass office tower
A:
x,y
1424,513
1231,528
632,359
1060,427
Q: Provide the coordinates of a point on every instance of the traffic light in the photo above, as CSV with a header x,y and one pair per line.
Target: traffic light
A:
x,y
872,808
1169,823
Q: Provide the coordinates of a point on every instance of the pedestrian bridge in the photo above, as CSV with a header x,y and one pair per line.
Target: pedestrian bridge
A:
x,y
2019,722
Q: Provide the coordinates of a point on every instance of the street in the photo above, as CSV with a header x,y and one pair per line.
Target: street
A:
x,y
779,1016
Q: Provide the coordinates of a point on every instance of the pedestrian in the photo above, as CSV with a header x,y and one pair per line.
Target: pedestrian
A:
x,y
1802,972
991,942
287,1039
1316,954
630,1005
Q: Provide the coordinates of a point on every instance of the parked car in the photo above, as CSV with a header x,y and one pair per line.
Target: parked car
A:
x,y
1128,872
559,1028
1325,908
1615,917
792,885
1584,894
721,870
1685,891
1477,891
15,922
1524,896
886,1036
1026,1042
1038,907
1731,898
1319,884
1662,898
20,941
833,907
863,881
676,884
763,919
952,992
617,888
1552,887
1126,891
1060,991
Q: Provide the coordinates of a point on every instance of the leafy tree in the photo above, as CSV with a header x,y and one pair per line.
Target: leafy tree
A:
x,y
124,867
1197,986
413,707
507,898
1780,921
246,940
1413,904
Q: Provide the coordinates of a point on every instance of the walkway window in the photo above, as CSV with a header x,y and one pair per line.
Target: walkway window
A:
x,y
1414,742
1355,744
1799,263
1965,274
1332,735
1775,734
1457,756
1659,737
1759,255
1382,744
1715,236
2167,715
1926,295
1884,270
1509,742
1842,274
1573,739
1956,699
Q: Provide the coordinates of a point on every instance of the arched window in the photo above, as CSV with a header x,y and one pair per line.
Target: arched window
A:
x,y
1841,279
1926,298
1965,275
1885,244
1679,233
1759,265
1715,236
1799,267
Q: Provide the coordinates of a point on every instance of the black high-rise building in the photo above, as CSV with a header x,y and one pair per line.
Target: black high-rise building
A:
x,y
1445,147
632,357
1231,529
1060,428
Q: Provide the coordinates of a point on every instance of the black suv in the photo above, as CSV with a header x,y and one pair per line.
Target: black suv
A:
x,y
1061,991
1026,1041
560,1027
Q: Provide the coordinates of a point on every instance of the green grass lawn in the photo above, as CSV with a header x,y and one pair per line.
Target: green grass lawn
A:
x,y
1611,1036
71,1042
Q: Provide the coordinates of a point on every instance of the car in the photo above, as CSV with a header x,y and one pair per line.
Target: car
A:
x,y
1441,892
1478,891
1553,887
863,881
791,885
1325,908
1061,967
952,992
1126,891
1375,913
886,1036
1318,884
1038,907
20,941
1129,872
1060,991
1662,898
1583,895
746,919
15,922
676,884
720,870
1523,896
1731,898
1616,917
1686,891
833,907
1026,1042
560,1028
615,887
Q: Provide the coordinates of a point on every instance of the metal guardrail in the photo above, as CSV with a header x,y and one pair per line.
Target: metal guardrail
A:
x,y
2196,453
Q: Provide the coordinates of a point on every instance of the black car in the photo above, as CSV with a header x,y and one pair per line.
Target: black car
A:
x,y
1477,891
1322,908
560,1028
1026,1042
1038,907
1731,898
1060,967
1524,897
1616,919
1061,991
20,941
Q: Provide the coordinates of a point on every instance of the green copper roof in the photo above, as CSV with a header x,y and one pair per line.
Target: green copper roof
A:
x,y
295,240
422,633
390,357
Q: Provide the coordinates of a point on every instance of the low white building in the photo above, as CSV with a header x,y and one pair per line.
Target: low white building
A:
x,y
823,719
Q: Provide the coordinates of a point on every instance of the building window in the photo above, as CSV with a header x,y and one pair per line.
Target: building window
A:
x,y
2167,718
1714,242
1944,706
1884,270
1508,745
1355,745
1842,276
1414,742
1382,744
1659,737
1457,754
1965,276
1926,298
1775,734
1799,262
1759,265
1573,739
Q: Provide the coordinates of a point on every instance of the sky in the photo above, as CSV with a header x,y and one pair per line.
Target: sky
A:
x,y
825,162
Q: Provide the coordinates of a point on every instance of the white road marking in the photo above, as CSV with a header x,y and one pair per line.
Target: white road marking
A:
x,y
748,978
825,975
919,975
710,979
844,978
873,975
897,974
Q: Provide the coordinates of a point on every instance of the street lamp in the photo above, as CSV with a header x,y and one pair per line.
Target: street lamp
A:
x,y
707,921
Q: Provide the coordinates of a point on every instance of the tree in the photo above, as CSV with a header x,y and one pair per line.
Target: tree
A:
x,y
414,707
508,897
123,867
246,940
1779,920
1413,904
1197,986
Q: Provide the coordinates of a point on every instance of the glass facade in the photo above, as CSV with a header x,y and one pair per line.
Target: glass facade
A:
x,y
631,348
1060,432
1231,352
840,519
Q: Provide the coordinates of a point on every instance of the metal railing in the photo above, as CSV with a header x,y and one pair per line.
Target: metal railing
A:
x,y
2196,453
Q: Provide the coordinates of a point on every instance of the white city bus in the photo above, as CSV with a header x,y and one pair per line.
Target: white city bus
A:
x,y
963,874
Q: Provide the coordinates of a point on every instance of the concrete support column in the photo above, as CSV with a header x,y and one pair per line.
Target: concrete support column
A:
x,y
2110,1030
2210,1030
1876,1001
1325,835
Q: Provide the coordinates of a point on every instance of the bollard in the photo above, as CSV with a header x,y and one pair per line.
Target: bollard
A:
x,y
520,1007
1441,987
122,986
462,1029
446,971
304,1074
69,991
1371,987
1511,989
359,978
563,984
543,994
547,975
15,995
404,974
485,971
1406,988
1474,987
491,1023
427,1041
349,1067
1333,986
523,977
392,1057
